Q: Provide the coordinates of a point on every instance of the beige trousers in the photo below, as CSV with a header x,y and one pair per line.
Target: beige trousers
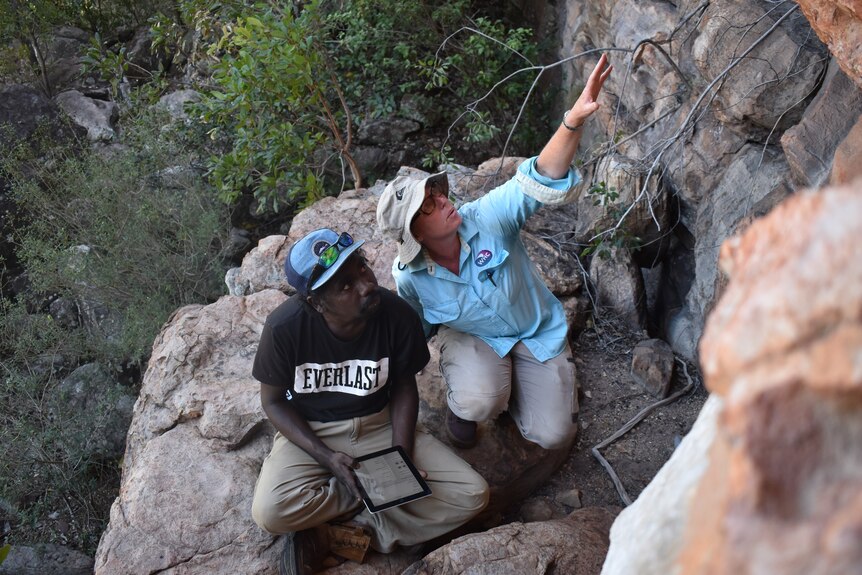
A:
x,y
541,396
294,492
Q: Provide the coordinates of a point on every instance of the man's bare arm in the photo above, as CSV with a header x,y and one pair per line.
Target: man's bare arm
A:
x,y
286,419
404,410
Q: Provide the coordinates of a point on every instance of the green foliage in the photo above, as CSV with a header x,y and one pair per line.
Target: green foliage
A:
x,y
24,26
290,82
602,194
437,157
616,238
472,67
135,232
150,227
272,89
111,66
480,128
48,466
375,44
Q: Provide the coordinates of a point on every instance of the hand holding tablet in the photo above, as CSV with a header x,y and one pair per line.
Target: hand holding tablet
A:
x,y
388,478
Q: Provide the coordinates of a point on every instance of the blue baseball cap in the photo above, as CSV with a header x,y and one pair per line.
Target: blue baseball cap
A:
x,y
305,254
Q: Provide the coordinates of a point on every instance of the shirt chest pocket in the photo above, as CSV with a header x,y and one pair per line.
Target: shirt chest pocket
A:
x,y
494,269
441,312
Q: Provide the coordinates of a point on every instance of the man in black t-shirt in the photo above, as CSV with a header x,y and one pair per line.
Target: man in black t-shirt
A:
x,y
337,364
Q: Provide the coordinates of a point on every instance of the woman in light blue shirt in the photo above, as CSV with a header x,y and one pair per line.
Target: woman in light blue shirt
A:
x,y
502,332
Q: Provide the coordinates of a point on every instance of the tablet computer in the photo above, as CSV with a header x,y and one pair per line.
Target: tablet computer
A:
x,y
388,478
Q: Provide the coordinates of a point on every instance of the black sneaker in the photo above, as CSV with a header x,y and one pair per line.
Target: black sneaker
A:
x,y
461,433
303,553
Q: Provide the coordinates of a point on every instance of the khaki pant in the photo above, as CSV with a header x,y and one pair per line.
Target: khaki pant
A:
x,y
541,396
294,492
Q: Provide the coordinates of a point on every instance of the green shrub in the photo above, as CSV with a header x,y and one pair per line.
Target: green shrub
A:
x,y
25,25
152,228
52,487
291,83
273,90
153,231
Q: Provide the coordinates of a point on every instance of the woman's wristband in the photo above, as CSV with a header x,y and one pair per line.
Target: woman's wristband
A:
x,y
568,127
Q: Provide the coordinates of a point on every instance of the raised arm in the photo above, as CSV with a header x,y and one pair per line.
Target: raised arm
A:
x,y
558,153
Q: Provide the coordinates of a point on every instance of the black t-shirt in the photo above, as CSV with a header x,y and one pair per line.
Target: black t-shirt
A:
x,y
328,379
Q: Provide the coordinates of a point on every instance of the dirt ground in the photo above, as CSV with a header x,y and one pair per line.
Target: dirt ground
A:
x,y
609,399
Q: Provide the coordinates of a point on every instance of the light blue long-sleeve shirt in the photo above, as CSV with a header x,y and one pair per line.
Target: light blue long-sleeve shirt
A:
x,y
498,294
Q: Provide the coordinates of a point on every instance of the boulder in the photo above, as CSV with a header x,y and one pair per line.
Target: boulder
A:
x,y
575,545
783,491
652,366
385,131
837,24
95,116
91,392
619,288
194,449
65,49
26,112
144,62
470,184
648,534
811,145
45,559
769,479
174,103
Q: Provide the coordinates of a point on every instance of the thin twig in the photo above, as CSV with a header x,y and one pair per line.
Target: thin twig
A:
x,y
687,124
628,426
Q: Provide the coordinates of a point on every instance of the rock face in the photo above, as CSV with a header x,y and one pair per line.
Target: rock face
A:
x,y
700,99
575,545
811,143
774,484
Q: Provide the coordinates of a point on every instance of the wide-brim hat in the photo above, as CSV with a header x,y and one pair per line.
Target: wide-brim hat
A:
x,y
396,209
305,254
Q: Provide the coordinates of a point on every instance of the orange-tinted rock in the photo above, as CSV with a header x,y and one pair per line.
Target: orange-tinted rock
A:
x,y
846,165
838,23
783,493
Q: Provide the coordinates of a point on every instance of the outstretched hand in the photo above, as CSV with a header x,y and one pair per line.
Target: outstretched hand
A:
x,y
558,153
587,102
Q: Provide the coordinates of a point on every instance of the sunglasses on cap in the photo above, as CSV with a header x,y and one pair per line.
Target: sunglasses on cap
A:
x,y
330,255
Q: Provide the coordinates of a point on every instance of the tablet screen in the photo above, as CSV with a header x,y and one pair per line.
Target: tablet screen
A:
x,y
388,478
